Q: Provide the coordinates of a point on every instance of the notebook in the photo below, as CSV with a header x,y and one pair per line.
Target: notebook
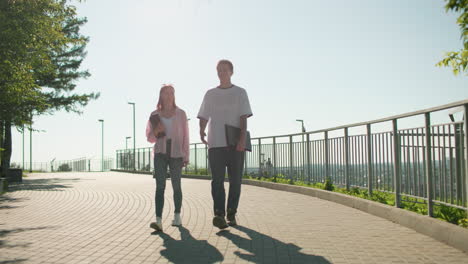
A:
x,y
154,119
232,137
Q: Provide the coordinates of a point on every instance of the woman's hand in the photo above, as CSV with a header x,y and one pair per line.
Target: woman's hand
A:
x,y
185,163
159,128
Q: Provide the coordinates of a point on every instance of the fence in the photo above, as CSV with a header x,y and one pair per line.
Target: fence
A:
x,y
427,163
81,164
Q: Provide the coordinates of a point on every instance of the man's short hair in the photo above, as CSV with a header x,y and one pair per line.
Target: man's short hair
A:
x,y
228,63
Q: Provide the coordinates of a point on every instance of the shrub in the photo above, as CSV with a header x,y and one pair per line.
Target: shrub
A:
x,y
328,185
463,222
64,167
449,214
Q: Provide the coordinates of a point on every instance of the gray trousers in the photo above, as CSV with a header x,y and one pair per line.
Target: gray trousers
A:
x,y
220,159
161,162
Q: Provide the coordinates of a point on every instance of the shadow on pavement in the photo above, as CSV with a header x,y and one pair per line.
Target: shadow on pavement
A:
x,y
188,249
6,201
265,249
13,261
4,244
5,232
52,184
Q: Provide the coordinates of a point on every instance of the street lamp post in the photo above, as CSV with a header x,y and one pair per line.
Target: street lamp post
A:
x,y
23,149
126,143
303,149
102,143
133,105
30,147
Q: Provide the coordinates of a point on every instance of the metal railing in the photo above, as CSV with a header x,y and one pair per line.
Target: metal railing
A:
x,y
80,164
428,163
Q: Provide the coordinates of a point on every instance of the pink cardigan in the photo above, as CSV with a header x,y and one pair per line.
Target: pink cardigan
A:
x,y
180,139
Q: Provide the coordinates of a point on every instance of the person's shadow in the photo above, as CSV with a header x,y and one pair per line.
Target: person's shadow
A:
x,y
265,249
188,249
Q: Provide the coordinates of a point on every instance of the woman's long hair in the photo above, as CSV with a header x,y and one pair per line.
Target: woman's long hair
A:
x,y
159,106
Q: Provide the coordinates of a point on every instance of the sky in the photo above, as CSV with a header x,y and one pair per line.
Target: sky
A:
x,y
329,63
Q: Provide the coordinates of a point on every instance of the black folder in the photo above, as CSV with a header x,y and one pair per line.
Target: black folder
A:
x,y
233,135
154,119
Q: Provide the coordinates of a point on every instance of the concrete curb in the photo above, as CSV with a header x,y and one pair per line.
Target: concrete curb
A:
x,y
190,176
450,234
447,233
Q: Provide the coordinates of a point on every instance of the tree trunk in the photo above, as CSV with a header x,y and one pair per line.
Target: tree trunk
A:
x,y
1,146
6,153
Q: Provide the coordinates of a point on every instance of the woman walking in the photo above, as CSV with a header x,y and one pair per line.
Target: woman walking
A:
x,y
168,128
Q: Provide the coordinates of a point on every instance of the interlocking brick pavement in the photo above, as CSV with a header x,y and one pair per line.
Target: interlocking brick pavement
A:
x,y
104,218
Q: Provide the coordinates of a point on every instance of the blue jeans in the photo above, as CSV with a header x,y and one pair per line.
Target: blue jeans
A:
x,y
220,159
161,162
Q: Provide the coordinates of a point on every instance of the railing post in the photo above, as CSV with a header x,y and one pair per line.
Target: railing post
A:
x,y
117,160
207,161
326,156
196,165
245,164
149,158
143,159
274,157
260,157
138,159
346,157
466,153
430,195
369,159
396,163
308,158
291,160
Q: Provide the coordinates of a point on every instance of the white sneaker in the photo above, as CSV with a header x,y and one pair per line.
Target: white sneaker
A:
x,y
157,225
177,220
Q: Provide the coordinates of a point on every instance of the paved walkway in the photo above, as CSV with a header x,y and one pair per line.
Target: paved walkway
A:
x,y
104,218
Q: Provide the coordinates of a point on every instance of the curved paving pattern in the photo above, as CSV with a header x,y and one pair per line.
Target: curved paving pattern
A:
x,y
104,218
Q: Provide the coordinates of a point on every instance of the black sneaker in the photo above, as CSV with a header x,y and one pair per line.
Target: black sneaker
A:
x,y
219,222
231,219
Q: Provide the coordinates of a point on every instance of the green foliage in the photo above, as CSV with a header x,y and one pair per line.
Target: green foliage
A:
x,y
463,222
415,205
329,184
41,51
382,197
64,167
201,171
449,214
458,60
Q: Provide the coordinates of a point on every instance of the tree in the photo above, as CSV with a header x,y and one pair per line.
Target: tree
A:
x,y
458,60
40,56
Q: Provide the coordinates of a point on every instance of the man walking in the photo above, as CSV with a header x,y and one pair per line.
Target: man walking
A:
x,y
226,104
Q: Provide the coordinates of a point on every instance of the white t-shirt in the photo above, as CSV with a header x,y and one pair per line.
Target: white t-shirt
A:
x,y
167,122
223,106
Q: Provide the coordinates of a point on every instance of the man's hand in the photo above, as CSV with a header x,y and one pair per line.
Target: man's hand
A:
x,y
202,137
203,123
241,145
185,163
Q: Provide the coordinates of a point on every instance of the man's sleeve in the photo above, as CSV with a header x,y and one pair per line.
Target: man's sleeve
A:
x,y
204,112
245,104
